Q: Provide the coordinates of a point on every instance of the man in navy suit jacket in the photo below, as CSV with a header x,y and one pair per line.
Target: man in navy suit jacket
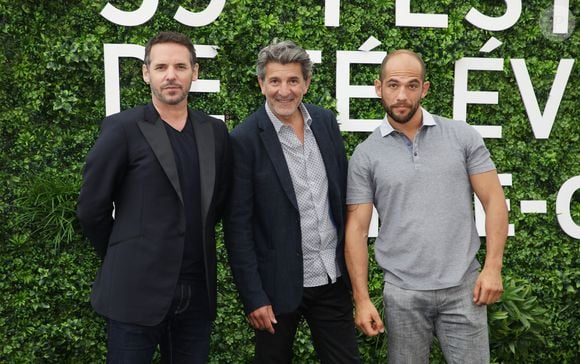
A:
x,y
285,217
163,168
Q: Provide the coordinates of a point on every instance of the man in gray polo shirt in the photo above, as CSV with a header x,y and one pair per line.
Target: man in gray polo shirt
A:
x,y
420,171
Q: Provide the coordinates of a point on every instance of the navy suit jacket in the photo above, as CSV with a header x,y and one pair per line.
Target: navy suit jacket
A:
x,y
132,165
262,221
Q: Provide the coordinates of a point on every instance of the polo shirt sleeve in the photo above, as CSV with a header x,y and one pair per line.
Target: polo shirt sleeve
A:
x,y
478,159
359,186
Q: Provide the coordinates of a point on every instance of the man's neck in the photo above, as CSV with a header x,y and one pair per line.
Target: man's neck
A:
x,y
174,115
409,128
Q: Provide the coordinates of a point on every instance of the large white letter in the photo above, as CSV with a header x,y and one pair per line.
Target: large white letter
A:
x,y
130,18
511,16
112,53
462,97
331,13
560,18
542,124
345,91
404,17
213,10
563,207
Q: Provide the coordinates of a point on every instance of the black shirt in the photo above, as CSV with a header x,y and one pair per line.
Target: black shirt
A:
x,y
187,161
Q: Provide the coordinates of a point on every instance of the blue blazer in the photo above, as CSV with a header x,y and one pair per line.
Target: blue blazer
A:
x,y
262,221
132,165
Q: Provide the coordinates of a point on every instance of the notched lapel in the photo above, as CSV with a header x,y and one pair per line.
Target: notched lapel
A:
x,y
274,150
322,134
325,145
205,141
157,138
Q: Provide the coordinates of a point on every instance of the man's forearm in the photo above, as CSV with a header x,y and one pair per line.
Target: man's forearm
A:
x,y
357,258
496,226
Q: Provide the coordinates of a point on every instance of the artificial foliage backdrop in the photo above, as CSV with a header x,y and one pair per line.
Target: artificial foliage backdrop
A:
x,y
53,97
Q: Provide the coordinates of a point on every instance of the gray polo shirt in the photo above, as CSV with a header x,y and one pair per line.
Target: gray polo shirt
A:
x,y
421,190
308,173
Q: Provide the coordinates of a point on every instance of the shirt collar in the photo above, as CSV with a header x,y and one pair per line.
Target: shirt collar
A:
x,y
386,128
278,124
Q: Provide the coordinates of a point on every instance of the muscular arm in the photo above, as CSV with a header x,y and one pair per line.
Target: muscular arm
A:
x,y
358,219
488,288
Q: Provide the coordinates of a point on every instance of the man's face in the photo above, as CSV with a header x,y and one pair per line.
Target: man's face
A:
x,y
401,88
170,73
284,86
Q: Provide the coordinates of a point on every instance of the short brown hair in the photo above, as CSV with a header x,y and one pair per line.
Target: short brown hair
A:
x,y
170,37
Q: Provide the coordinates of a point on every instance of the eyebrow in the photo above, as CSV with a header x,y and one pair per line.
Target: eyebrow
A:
x,y
414,80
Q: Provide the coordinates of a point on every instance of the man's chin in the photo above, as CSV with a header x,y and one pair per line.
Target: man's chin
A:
x,y
400,118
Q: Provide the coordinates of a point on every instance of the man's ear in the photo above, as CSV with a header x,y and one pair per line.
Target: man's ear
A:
x,y
425,88
261,83
307,84
195,72
145,71
378,90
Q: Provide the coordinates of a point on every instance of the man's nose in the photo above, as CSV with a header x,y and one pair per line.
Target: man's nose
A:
x,y
284,89
170,73
401,94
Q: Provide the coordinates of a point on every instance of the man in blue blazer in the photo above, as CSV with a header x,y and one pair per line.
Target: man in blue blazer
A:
x,y
160,169
285,217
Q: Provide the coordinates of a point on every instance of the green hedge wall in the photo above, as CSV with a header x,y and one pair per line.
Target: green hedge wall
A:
x,y
53,98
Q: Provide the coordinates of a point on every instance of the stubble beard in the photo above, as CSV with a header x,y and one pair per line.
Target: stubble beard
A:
x,y
171,100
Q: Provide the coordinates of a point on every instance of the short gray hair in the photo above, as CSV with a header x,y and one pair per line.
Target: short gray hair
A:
x,y
283,52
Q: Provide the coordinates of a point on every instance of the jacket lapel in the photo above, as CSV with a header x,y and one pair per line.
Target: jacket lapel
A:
x,y
205,141
324,145
327,150
274,150
155,134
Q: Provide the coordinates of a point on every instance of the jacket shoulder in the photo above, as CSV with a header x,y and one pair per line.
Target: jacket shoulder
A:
x,y
249,126
320,112
128,115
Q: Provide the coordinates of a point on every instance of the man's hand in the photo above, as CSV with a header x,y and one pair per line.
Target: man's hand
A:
x,y
488,287
262,318
367,319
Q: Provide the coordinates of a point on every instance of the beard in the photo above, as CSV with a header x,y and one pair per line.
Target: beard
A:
x,y
401,118
172,99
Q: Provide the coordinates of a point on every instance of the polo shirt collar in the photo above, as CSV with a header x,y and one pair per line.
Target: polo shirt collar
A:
x,y
386,128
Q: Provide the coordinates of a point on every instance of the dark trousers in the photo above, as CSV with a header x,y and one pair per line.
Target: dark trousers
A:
x,y
183,335
328,312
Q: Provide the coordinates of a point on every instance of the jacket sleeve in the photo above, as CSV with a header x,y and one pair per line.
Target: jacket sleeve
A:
x,y
238,227
103,172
